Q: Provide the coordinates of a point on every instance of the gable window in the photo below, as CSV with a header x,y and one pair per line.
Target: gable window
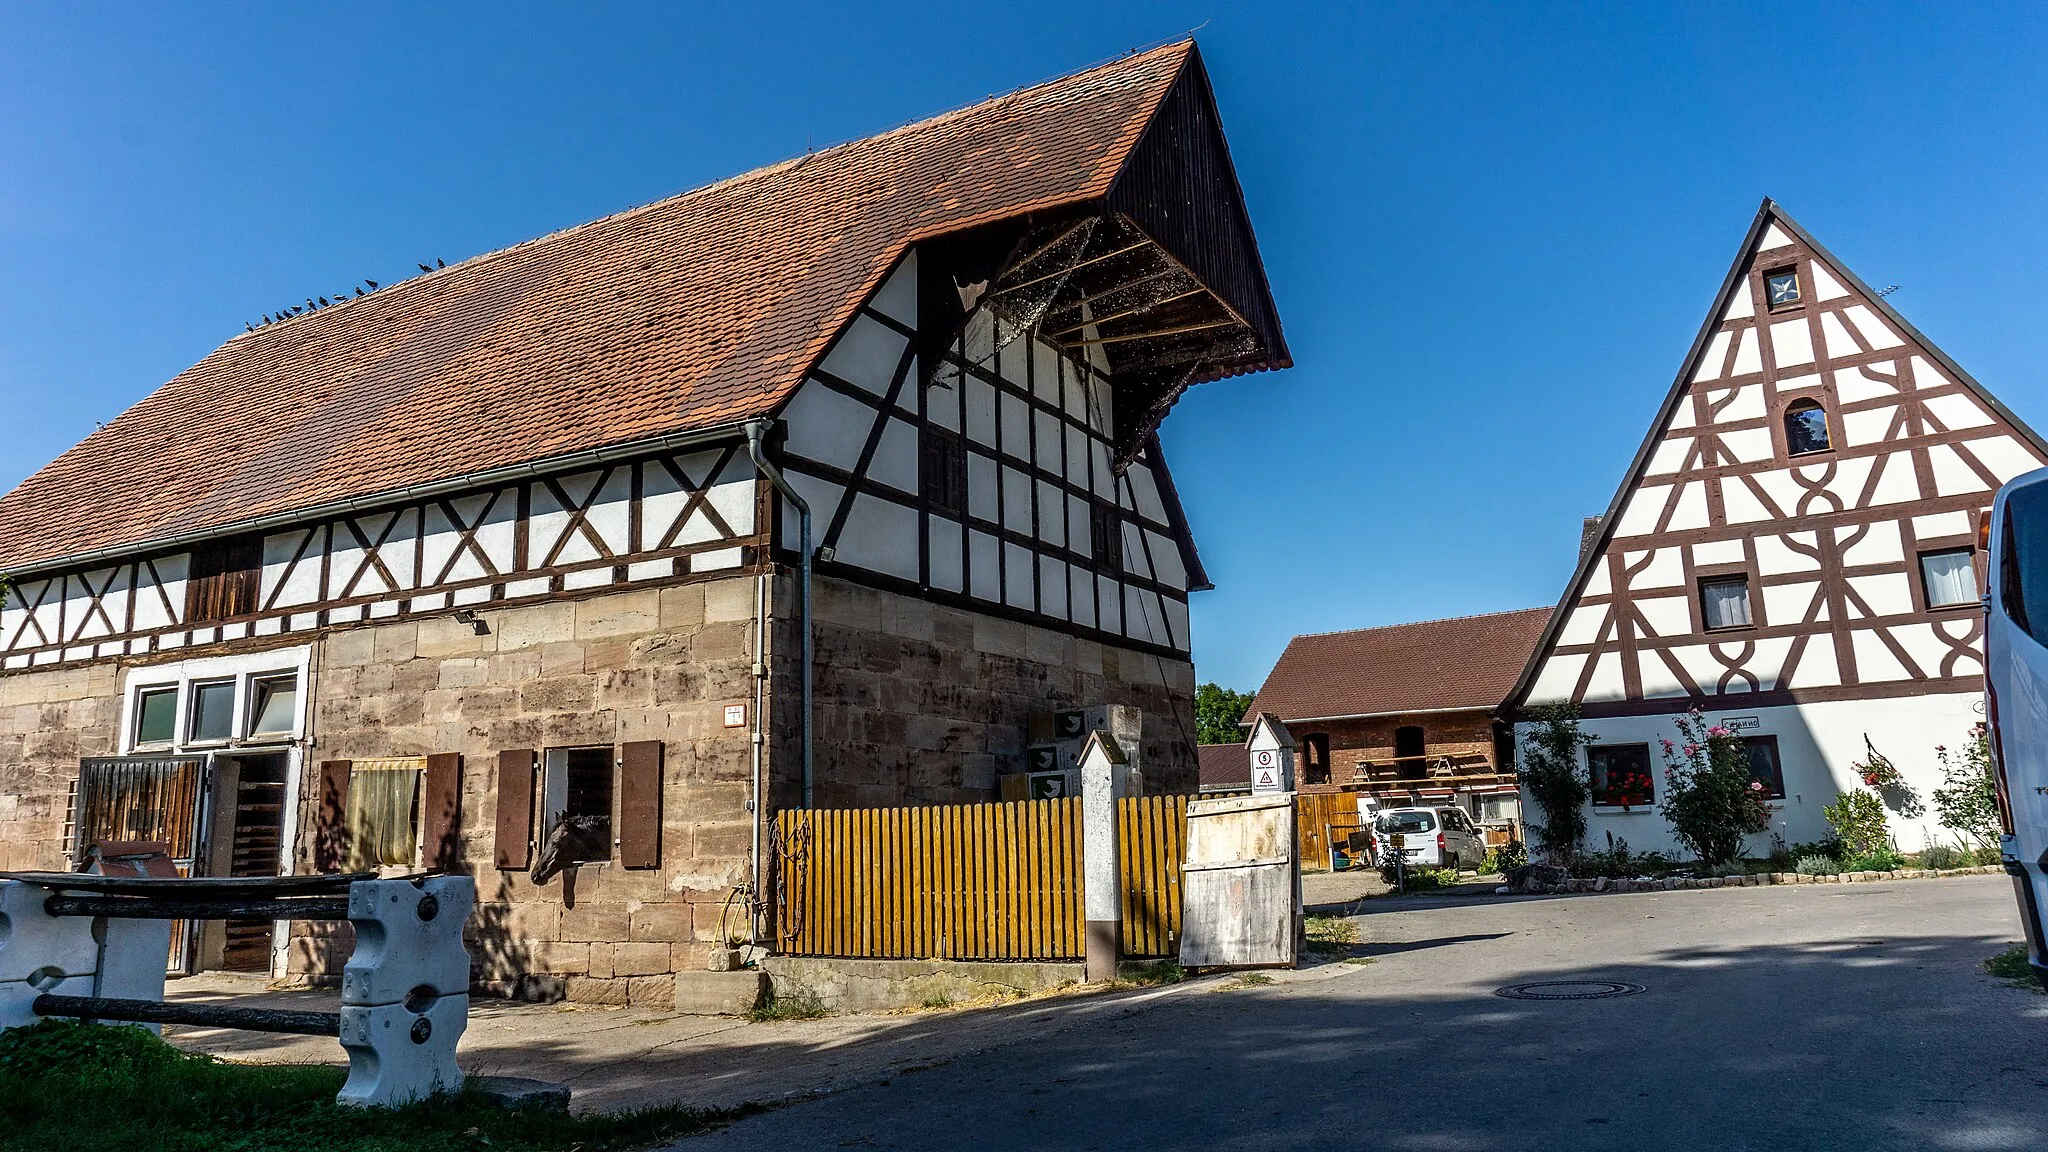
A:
x,y
156,716
1724,602
1621,775
1408,748
1315,758
942,471
1948,578
1106,532
1806,428
1763,765
578,791
1781,288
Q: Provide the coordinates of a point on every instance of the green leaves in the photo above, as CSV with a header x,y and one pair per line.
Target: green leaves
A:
x,y
1218,714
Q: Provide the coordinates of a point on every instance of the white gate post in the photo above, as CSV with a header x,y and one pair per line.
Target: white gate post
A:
x,y
1104,781
405,991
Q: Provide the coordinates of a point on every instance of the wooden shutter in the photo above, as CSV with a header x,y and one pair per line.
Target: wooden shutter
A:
x,y
639,820
515,809
330,829
440,802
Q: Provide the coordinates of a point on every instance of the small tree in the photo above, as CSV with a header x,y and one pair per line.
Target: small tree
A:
x,y
1550,771
1967,801
1219,714
1710,798
1857,816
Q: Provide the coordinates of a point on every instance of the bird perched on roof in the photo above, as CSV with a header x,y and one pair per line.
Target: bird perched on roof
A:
x,y
323,301
248,327
424,268
359,291
372,284
440,263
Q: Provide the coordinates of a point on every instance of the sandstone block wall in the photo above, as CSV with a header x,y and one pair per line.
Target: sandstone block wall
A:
x,y
48,720
654,664
921,703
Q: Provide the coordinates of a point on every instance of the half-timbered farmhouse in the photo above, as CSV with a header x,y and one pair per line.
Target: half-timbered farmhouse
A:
x,y
1793,550
567,564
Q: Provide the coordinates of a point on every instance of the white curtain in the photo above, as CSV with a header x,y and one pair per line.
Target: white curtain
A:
x,y
380,812
1950,579
1727,603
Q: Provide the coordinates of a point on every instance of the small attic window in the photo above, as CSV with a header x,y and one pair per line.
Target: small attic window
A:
x,y
1781,289
1806,428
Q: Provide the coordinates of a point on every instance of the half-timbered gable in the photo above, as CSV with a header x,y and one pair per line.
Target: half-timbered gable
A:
x,y
439,574
1798,529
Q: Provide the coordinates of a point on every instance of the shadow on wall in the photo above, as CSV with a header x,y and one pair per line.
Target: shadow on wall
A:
x,y
502,960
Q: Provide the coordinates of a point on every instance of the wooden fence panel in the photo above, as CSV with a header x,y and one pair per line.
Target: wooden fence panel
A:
x,y
969,881
1315,813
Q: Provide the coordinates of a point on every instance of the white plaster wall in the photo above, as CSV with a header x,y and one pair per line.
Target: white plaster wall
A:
x,y
1817,746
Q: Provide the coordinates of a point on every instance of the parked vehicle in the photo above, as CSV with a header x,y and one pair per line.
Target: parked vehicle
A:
x,y
2016,692
1433,837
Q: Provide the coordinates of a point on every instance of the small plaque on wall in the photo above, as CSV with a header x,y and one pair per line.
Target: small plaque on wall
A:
x,y
735,715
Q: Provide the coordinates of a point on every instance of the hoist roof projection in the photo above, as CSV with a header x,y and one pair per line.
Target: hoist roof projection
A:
x,y
1111,188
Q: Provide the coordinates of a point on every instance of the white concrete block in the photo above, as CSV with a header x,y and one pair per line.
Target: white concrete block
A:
x,y
407,937
32,940
397,1055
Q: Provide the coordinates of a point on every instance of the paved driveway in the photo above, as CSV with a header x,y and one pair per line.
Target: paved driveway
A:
x,y
1826,1017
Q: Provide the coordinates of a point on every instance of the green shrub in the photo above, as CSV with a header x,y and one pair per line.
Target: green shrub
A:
x,y
1506,858
1859,822
1944,856
797,1004
1330,935
1985,855
1817,864
1423,879
1551,773
1830,848
1967,800
1882,860
1710,798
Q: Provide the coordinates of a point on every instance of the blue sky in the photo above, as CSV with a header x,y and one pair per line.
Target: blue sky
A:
x,y
1492,230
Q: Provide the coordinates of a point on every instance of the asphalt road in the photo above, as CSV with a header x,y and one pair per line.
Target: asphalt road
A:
x,y
1811,1017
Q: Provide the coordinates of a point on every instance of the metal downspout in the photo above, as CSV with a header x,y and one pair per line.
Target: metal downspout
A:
x,y
756,429
757,899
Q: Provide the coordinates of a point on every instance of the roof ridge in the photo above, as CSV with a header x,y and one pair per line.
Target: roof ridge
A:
x,y
1415,623
738,178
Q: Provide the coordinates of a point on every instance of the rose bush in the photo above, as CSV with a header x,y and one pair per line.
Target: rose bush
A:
x,y
1710,798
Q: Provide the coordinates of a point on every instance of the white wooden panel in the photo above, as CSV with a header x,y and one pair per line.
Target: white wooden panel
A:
x,y
1081,596
1017,515
1048,442
1166,560
1874,661
1718,552
981,486
1052,587
1873,329
2004,456
897,297
985,561
1017,574
896,458
866,354
944,537
1880,544
880,536
1957,410
1792,342
980,397
1016,426
828,426
1664,615
1109,601
1052,514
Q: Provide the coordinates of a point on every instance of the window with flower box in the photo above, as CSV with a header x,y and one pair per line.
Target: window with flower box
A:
x,y
1764,767
1621,775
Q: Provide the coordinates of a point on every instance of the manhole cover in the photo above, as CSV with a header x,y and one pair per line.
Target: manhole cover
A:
x,y
1569,990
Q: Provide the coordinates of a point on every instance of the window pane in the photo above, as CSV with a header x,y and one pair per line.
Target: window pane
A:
x,y
213,711
1764,766
156,716
1948,577
382,813
1407,823
275,704
1806,430
1725,603
1621,774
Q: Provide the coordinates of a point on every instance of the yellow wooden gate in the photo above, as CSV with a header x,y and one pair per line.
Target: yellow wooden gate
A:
x,y
968,881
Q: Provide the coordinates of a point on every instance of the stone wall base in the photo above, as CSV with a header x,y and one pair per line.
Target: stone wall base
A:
x,y
882,985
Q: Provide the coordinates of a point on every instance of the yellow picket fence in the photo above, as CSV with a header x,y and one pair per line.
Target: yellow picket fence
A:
x,y
968,881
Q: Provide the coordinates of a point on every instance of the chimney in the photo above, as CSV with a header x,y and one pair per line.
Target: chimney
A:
x,y
1589,534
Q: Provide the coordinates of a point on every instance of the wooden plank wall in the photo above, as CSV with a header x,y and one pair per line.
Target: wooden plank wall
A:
x,y
1316,811
968,881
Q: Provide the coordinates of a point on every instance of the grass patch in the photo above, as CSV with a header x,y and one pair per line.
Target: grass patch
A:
x,y
68,1087
2012,967
1331,935
937,1001
1249,980
801,1004
1151,975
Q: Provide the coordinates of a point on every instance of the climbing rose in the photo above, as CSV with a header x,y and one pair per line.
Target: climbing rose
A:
x,y
1717,730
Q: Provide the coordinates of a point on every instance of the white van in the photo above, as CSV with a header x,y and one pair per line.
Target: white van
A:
x,y
2016,691
1434,837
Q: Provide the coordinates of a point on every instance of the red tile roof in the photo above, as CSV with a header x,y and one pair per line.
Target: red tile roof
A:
x,y
1223,766
689,313
1466,662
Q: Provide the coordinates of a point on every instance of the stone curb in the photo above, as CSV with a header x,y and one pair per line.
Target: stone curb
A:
x,y
1601,884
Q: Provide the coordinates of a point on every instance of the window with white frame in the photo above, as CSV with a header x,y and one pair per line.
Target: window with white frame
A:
x,y
1948,577
215,703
